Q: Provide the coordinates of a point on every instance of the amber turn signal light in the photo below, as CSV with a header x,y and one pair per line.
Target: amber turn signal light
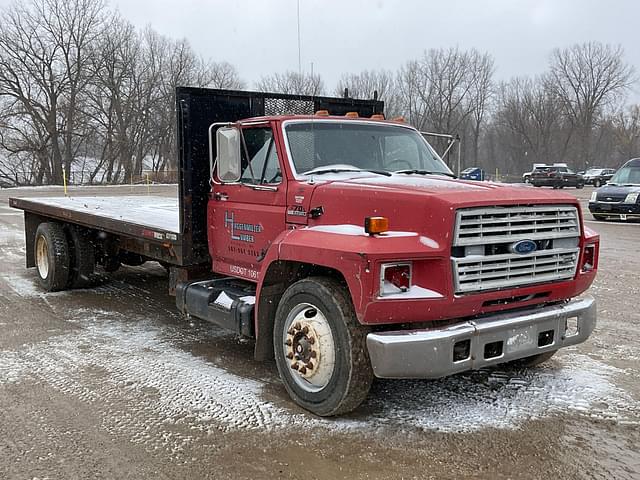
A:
x,y
322,113
377,116
351,114
373,225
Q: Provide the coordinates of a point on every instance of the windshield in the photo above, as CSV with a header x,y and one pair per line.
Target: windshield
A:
x,y
344,146
627,175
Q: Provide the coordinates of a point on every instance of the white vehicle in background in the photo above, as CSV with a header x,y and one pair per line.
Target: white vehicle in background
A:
x,y
526,176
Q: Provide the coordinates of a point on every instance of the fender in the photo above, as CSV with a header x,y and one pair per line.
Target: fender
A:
x,y
348,250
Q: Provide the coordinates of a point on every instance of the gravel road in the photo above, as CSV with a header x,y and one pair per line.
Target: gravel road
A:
x,y
113,383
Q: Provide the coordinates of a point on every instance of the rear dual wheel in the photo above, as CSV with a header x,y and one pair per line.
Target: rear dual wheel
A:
x,y
64,257
51,253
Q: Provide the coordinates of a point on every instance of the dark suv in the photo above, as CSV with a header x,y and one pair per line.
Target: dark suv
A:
x,y
556,177
598,176
619,198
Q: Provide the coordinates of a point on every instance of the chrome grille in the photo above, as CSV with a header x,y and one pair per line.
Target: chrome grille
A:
x,y
484,259
481,226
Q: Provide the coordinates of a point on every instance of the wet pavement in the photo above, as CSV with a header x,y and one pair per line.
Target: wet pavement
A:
x,y
112,382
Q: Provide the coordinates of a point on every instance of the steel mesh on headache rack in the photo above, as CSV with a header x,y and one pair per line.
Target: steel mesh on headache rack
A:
x,y
288,106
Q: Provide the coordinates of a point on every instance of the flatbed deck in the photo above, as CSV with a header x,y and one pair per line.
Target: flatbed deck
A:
x,y
146,219
150,212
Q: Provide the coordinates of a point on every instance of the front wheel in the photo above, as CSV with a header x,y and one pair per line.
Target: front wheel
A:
x,y
579,186
320,347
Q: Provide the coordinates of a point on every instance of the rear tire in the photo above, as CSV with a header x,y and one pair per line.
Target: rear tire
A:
x,y
579,186
51,252
596,183
599,217
320,347
83,260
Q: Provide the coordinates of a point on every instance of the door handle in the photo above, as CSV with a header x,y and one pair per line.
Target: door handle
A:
x,y
221,196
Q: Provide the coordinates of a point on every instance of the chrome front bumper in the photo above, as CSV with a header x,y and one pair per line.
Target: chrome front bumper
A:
x,y
429,353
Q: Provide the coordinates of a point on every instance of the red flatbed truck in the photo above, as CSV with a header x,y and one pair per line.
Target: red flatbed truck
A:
x,y
341,243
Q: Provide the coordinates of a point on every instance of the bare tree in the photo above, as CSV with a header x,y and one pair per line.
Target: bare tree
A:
x,y
367,83
626,131
446,91
43,70
292,83
586,78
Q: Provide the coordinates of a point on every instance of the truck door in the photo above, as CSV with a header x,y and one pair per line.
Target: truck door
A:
x,y
246,216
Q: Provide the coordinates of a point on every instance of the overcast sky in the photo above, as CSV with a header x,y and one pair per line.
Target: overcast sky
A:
x,y
260,37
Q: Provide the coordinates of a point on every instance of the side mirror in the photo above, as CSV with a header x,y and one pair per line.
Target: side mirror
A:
x,y
227,153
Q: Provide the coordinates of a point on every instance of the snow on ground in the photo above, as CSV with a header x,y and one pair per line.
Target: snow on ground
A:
x,y
154,212
149,383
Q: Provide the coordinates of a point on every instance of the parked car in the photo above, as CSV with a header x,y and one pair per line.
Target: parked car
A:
x,y
526,176
598,176
618,198
473,173
556,177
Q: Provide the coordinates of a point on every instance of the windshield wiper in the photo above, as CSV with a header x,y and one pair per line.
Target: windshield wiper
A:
x,y
425,172
321,171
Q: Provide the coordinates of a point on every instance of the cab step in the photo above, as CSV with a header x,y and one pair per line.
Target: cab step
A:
x,y
227,302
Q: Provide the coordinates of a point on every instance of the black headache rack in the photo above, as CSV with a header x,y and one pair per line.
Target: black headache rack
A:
x,y
197,109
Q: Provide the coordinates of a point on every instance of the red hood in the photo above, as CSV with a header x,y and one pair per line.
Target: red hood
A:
x,y
456,192
421,204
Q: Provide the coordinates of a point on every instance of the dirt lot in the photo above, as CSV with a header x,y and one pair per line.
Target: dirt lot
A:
x,y
112,383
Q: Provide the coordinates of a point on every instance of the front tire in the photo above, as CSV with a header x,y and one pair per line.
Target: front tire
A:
x,y
599,217
596,183
51,252
320,347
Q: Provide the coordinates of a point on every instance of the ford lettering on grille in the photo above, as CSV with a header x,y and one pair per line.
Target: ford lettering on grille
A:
x,y
514,246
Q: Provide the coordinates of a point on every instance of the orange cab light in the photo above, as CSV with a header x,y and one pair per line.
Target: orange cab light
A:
x,y
373,225
377,116
351,114
398,119
322,113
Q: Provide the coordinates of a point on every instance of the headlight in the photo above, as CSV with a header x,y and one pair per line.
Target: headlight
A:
x,y
594,196
631,198
395,278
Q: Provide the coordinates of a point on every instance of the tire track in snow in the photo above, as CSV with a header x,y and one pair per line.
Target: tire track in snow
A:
x,y
149,390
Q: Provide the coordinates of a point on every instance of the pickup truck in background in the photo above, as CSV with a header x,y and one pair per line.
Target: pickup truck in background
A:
x,y
556,177
340,242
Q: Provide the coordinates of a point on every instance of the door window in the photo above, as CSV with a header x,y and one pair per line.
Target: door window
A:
x,y
260,158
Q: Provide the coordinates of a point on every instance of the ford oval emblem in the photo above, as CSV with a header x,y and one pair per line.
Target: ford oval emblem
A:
x,y
524,246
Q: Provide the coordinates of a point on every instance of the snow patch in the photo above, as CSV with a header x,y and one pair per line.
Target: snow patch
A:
x,y
356,230
148,385
160,213
429,242
414,292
